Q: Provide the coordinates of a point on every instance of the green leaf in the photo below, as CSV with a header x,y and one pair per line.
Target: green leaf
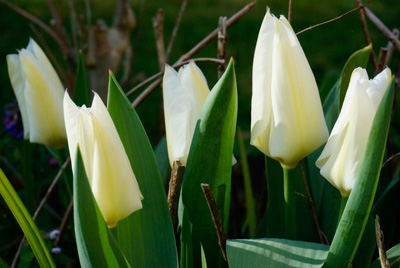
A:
x,y
274,252
250,203
3,264
357,210
357,59
146,237
393,256
96,244
161,153
26,223
81,89
210,161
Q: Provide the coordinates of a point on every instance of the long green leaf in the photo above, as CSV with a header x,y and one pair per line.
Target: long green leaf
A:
x,y
273,252
96,244
81,89
3,264
357,210
26,223
146,237
210,161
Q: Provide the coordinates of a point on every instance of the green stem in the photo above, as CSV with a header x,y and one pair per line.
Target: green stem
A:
x,y
290,203
342,206
27,173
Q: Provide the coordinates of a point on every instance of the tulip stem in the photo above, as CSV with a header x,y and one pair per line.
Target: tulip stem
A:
x,y
342,206
290,205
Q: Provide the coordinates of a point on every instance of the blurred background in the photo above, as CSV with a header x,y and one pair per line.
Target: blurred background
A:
x,y
327,48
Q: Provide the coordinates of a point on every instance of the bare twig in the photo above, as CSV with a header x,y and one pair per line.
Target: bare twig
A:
x,y
334,19
60,29
381,246
158,26
216,218
41,205
175,184
390,159
390,47
222,37
39,23
175,30
64,222
381,60
312,205
366,33
290,11
194,50
385,30
159,74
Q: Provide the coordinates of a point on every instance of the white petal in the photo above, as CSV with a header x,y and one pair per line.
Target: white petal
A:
x,y
71,112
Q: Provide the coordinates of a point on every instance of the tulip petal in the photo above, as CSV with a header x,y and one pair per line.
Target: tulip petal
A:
x,y
178,113
71,113
18,82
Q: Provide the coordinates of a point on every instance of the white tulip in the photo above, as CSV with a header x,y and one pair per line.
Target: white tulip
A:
x,y
107,166
287,120
340,160
39,93
184,94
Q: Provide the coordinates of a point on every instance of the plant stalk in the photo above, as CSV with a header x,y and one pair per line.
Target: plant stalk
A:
x,y
290,203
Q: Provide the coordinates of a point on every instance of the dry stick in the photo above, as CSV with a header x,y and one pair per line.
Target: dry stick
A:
x,y
290,11
41,205
390,159
212,206
334,19
158,26
366,33
157,75
310,200
194,50
385,30
381,246
175,184
175,30
64,221
39,23
222,37
391,47
381,60
60,29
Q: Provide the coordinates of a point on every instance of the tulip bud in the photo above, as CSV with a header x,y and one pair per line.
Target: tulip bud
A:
x,y
287,121
341,158
107,166
39,94
184,94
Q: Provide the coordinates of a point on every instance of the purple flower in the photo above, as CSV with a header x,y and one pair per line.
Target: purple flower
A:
x,y
12,121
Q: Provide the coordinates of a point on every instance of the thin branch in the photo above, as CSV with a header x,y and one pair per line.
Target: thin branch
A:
x,y
221,51
159,74
334,19
390,159
390,47
41,205
175,184
233,19
158,26
216,218
39,23
381,246
64,222
60,29
290,11
175,30
366,33
381,60
385,30
312,205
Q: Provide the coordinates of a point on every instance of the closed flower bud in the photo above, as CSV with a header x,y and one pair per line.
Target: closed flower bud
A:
x,y
107,166
39,93
287,121
184,94
340,160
